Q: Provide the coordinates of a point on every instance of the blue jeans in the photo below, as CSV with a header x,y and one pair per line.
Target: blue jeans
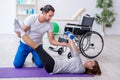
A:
x,y
22,53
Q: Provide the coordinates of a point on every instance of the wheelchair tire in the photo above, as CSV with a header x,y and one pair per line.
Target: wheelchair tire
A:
x,y
69,55
91,44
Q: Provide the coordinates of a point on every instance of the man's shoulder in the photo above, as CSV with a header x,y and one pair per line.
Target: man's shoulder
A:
x,y
30,19
33,17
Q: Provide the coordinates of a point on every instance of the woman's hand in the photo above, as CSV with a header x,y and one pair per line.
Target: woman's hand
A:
x,y
70,42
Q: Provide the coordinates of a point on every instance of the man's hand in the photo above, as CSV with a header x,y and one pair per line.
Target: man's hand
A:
x,y
18,34
64,44
20,31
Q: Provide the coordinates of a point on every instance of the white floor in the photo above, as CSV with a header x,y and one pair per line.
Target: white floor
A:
x,y
109,60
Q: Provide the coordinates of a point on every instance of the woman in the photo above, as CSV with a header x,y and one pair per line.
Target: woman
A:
x,y
73,65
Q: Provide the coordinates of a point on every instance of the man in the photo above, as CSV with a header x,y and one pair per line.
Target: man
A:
x,y
35,26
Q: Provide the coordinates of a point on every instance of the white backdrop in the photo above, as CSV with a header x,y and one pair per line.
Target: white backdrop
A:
x,y
64,9
7,15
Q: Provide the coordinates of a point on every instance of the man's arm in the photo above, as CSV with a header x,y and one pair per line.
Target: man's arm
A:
x,y
24,28
54,42
18,27
34,45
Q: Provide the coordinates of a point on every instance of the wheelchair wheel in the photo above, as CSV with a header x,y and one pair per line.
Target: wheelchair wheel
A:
x,y
91,44
69,55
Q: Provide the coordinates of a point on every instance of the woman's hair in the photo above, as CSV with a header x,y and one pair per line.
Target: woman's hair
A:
x,y
47,8
95,71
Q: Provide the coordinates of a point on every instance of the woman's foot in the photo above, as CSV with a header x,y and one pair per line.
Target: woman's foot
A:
x,y
17,28
17,25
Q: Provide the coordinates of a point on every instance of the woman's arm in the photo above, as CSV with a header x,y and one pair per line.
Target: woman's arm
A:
x,y
73,46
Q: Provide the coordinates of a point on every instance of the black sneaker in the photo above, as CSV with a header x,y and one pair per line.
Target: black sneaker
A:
x,y
33,60
69,55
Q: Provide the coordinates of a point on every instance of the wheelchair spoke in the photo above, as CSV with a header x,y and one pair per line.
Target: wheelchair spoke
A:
x,y
91,44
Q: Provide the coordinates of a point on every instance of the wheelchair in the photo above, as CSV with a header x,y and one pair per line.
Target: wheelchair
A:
x,y
90,43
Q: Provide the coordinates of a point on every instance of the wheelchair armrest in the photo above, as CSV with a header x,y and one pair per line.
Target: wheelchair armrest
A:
x,y
71,24
85,28
77,25
83,25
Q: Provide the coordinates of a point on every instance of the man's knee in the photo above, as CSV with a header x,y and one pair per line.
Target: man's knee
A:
x,y
39,65
17,65
37,62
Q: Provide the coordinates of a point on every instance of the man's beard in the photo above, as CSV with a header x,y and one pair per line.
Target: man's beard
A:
x,y
47,20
